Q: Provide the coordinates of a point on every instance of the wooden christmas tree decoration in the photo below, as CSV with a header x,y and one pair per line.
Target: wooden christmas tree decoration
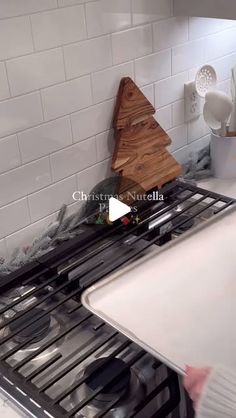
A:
x,y
140,153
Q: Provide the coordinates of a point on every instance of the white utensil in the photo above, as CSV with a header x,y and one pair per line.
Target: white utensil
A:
x,y
218,109
210,120
206,79
232,126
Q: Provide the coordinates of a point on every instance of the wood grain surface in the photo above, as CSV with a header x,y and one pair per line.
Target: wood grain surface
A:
x,y
140,153
131,105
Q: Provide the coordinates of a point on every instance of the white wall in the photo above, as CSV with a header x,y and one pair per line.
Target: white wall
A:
x,y
60,65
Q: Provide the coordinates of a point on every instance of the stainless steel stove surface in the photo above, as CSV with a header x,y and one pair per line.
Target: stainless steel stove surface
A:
x,y
59,360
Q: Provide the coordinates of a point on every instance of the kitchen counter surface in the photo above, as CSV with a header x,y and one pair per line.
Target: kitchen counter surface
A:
x,y
224,187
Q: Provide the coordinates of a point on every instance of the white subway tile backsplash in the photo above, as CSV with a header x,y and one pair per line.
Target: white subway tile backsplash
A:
x,y
170,32
15,37
188,55
196,129
225,86
148,91
92,176
3,250
26,179
64,59
63,3
182,154
170,90
105,16
92,121
200,26
72,159
220,44
9,153
105,83
179,137
164,117
178,113
4,87
132,43
88,56
58,27
67,97
51,199
20,113
14,217
105,143
27,235
11,8
223,66
44,139
150,10
35,71
153,67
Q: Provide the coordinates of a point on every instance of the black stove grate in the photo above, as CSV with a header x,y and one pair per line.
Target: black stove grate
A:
x,y
60,277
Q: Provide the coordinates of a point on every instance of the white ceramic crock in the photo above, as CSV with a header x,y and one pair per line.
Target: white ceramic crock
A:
x,y
223,155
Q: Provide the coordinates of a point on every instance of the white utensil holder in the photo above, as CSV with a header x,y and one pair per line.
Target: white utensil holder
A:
x,y
223,156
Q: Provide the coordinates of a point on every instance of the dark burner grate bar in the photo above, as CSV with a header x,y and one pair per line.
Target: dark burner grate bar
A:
x,y
50,280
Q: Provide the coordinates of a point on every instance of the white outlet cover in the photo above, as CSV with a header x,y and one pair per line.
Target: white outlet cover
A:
x,y
192,102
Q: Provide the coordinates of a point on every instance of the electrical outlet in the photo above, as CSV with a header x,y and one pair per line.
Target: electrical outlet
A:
x,y
192,102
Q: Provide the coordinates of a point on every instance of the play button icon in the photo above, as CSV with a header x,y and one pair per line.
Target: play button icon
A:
x,y
117,209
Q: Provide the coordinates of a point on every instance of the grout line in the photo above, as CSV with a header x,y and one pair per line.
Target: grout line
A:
x,y
32,33
152,35
71,131
112,50
27,13
85,17
8,81
20,153
28,206
92,90
42,106
189,29
171,62
50,168
132,14
64,63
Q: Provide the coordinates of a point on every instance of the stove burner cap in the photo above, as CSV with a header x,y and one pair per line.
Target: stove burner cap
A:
x,y
189,223
38,329
108,370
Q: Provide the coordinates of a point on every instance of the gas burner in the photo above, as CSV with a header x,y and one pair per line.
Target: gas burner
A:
x,y
188,223
129,390
38,330
107,370
44,329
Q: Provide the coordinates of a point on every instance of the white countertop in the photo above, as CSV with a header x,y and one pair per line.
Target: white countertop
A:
x,y
224,187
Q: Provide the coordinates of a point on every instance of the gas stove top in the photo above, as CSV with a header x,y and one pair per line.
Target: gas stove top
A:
x,y
59,360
